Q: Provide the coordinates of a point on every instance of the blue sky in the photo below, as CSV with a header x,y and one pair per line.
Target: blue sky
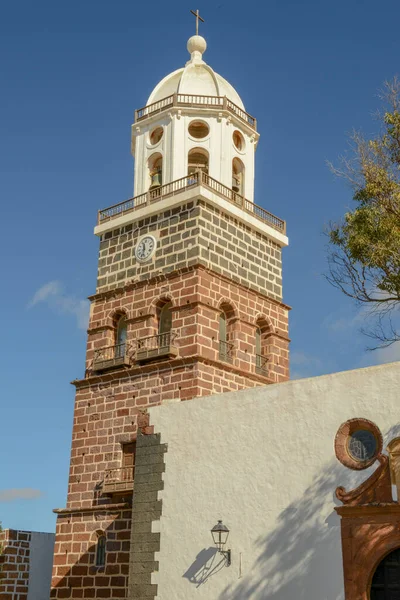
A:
x,y
71,76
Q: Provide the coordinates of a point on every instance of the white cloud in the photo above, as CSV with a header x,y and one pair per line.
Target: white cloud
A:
x,y
19,494
52,293
48,290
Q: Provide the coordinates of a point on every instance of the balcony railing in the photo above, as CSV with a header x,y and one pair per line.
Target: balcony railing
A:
x,y
226,351
261,364
118,480
156,346
110,357
195,101
180,185
169,189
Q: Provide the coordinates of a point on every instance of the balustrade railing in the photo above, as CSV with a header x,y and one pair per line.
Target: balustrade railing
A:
x,y
249,207
120,479
226,351
195,100
168,189
180,185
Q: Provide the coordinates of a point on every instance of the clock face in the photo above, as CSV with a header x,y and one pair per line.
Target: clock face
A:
x,y
145,248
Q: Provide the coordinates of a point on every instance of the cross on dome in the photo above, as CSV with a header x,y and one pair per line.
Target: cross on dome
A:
x,y
196,45
198,18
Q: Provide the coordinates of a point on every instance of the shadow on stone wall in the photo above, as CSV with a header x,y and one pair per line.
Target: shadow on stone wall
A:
x,y
302,557
85,580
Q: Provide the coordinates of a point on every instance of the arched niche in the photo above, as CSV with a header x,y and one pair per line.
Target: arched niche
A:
x,y
238,176
155,166
198,160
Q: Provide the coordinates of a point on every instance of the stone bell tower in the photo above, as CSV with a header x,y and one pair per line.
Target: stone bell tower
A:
x,y
188,303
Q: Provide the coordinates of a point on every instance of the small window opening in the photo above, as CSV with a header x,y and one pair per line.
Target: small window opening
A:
x,y
261,348
121,335
225,335
165,319
258,341
222,327
101,551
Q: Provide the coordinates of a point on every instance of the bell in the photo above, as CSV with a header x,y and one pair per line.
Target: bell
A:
x,y
155,180
235,185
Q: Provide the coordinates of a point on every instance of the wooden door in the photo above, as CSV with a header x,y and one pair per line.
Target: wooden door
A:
x,y
386,580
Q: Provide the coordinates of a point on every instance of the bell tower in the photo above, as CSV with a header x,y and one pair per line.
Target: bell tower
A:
x,y
188,303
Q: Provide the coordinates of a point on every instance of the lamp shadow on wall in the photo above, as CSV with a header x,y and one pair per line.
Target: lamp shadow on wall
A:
x,y
205,566
302,557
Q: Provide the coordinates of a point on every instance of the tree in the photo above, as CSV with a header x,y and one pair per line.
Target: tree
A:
x,y
364,248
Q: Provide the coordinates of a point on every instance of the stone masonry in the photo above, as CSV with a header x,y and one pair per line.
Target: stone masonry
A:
x,y
205,262
195,233
146,510
14,561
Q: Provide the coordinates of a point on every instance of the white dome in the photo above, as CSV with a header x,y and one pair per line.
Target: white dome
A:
x,y
196,78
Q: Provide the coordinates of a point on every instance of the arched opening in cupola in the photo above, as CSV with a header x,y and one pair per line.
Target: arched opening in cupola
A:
x,y
155,170
238,176
198,159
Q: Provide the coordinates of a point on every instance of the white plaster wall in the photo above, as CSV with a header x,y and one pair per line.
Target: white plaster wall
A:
x,y
263,461
40,565
176,144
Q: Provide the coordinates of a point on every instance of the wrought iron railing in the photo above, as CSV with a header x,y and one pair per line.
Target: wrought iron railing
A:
x,y
261,364
120,479
111,356
226,351
180,185
157,342
219,102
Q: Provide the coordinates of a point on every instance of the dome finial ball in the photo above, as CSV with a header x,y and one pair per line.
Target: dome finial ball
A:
x,y
196,44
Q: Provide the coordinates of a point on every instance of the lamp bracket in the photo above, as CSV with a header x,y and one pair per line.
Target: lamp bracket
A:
x,y
227,555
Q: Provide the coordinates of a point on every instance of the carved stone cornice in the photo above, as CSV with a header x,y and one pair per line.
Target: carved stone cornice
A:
x,y
369,510
92,509
376,489
163,366
132,285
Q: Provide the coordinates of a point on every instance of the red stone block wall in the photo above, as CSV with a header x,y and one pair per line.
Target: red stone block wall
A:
x,y
14,564
197,296
111,406
75,574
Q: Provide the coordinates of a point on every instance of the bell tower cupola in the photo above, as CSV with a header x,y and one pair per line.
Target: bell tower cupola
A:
x,y
194,120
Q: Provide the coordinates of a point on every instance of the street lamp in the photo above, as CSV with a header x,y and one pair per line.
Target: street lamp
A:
x,y
220,534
